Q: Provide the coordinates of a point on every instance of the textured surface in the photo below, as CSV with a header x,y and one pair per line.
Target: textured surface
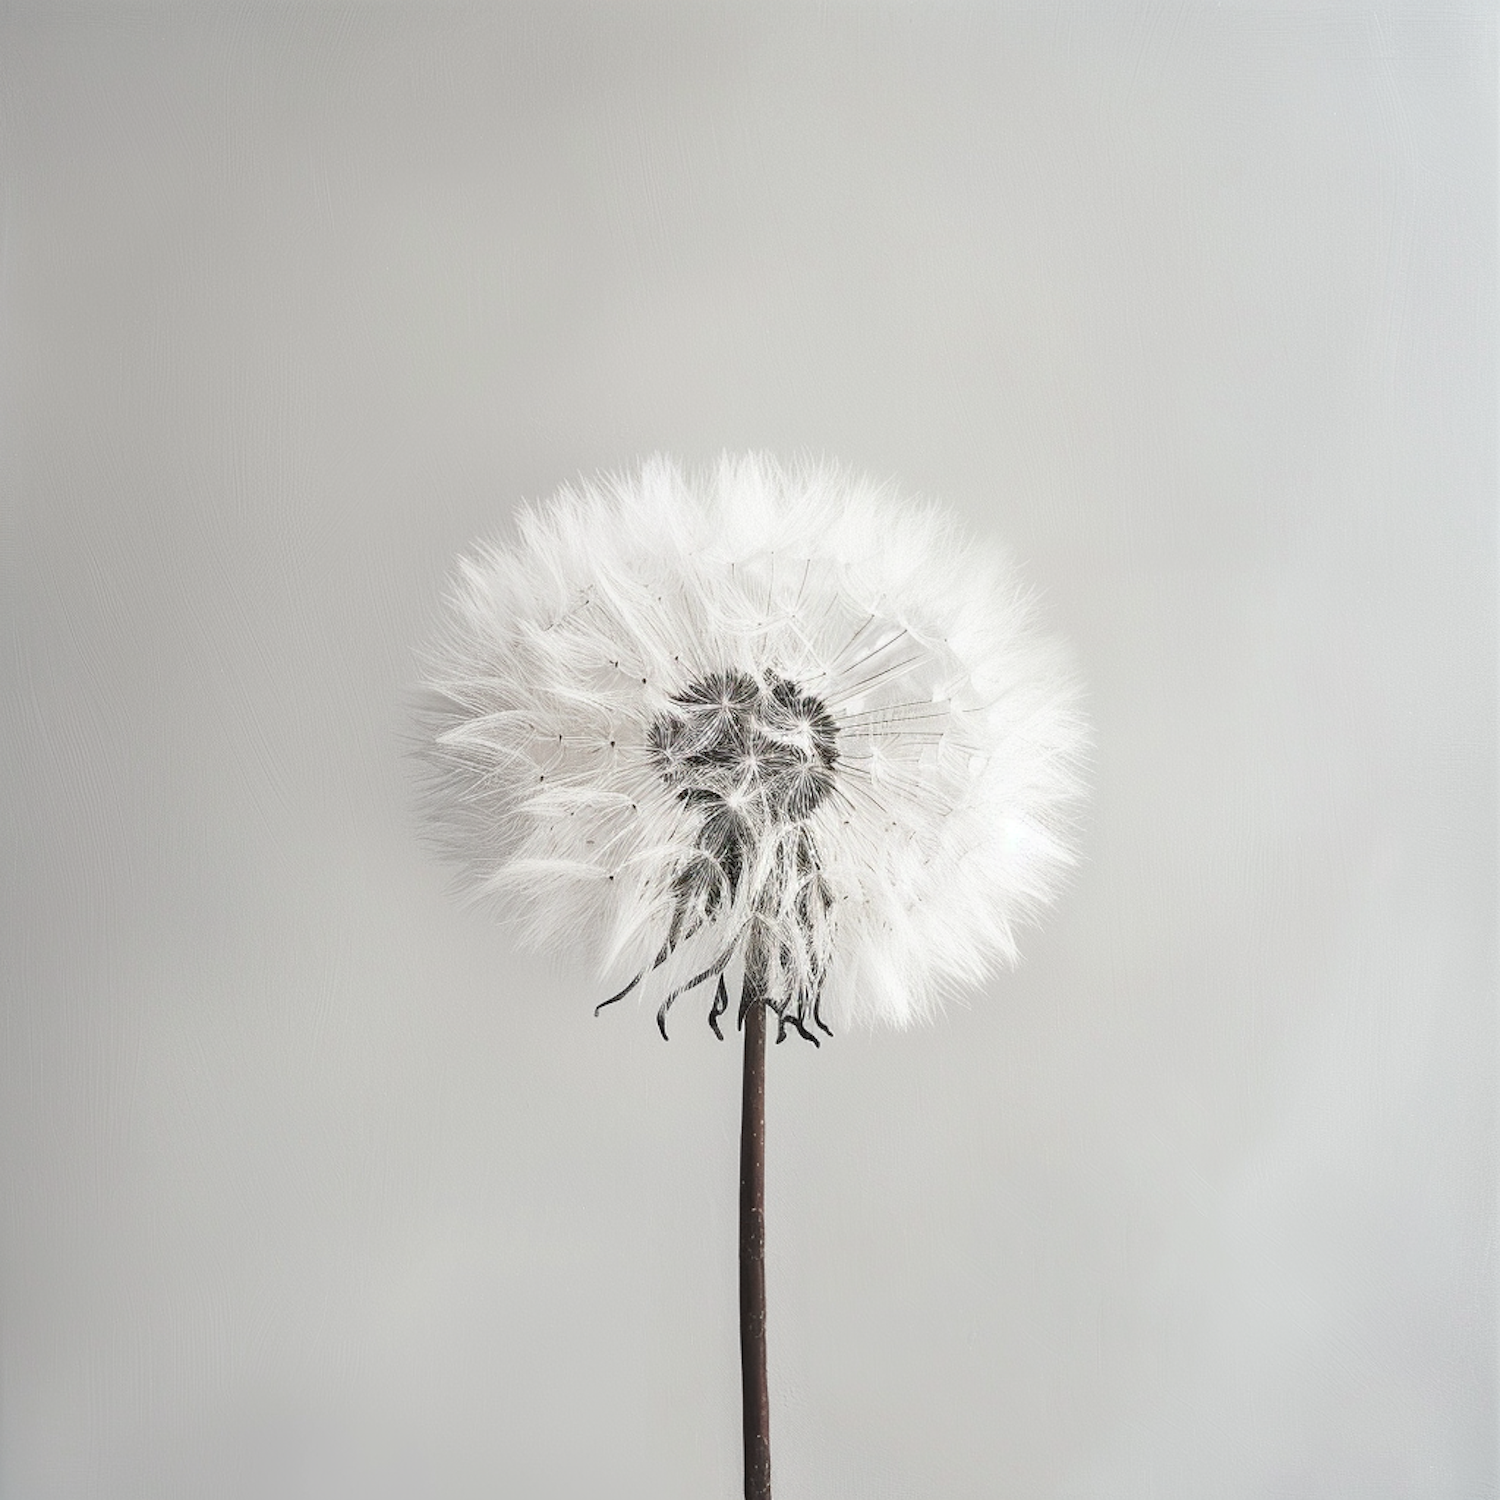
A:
x,y
311,1186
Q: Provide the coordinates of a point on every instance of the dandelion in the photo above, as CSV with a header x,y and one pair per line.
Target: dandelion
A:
x,y
774,731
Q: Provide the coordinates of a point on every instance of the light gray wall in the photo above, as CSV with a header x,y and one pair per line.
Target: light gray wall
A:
x,y
312,1186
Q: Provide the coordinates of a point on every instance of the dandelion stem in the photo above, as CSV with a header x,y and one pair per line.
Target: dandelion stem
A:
x,y
757,1401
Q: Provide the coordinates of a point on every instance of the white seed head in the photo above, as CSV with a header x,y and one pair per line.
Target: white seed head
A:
x,y
771,719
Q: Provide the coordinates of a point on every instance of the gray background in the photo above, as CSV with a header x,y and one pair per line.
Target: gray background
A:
x,y
312,1186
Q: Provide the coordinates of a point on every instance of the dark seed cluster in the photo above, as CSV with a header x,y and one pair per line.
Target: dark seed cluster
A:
x,y
754,757
764,750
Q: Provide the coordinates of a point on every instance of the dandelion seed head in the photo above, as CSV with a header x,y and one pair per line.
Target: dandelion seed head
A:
x,y
767,717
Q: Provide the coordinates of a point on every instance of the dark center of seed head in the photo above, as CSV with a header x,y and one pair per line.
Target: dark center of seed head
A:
x,y
754,750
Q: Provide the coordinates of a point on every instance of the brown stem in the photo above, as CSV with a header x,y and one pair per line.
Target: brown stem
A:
x,y
756,1393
